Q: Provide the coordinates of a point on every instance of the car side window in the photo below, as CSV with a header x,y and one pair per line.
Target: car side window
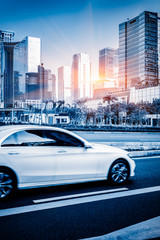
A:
x,y
41,138
28,138
64,139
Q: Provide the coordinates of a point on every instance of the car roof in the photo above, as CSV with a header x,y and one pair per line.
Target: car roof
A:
x,y
28,126
10,128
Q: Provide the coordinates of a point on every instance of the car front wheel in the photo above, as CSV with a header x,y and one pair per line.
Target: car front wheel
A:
x,y
7,183
119,172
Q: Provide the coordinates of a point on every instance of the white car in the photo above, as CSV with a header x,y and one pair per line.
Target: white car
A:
x,y
36,156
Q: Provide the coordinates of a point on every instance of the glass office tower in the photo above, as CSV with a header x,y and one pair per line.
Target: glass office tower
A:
x,y
20,68
26,59
6,68
139,47
108,61
64,83
81,76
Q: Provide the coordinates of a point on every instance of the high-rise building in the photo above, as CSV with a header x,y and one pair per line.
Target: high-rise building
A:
x,y
46,84
116,64
64,83
16,59
41,85
27,55
108,63
32,86
6,68
81,76
52,87
139,49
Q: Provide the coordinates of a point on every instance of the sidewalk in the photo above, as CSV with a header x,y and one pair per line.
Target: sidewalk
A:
x,y
145,153
146,230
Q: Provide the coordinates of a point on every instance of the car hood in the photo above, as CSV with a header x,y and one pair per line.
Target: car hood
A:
x,y
106,148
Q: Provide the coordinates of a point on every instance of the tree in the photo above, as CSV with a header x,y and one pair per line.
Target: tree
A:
x,y
81,110
100,114
81,102
60,106
132,113
53,105
75,114
91,116
45,108
116,109
109,98
156,106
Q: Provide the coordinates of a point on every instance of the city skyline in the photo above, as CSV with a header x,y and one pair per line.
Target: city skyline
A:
x,y
67,29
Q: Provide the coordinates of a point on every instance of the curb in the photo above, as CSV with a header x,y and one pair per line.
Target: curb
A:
x,y
144,153
136,149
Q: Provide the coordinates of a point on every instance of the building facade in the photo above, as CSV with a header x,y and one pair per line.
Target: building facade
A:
x,y
139,46
108,63
81,76
64,83
148,94
46,84
32,86
27,56
6,68
105,83
52,87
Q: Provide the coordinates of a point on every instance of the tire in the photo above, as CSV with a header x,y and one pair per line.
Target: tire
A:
x,y
119,172
7,183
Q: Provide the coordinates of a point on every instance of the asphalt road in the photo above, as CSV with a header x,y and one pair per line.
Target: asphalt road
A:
x,y
78,217
120,136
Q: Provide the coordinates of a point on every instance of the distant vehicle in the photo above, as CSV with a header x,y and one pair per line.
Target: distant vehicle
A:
x,y
37,156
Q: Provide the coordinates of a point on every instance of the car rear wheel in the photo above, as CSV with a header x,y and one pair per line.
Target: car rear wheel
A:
x,y
119,172
7,183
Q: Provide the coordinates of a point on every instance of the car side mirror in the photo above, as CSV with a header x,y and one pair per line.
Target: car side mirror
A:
x,y
87,146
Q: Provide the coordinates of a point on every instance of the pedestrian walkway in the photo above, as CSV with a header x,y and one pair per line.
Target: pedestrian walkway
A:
x,y
146,230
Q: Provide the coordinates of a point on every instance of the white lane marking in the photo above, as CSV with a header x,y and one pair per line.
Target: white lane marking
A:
x,y
78,195
144,230
75,201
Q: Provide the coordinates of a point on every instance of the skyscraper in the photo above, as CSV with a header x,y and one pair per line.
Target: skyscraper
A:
x,y
27,55
108,62
81,76
6,68
40,85
52,87
16,59
32,86
46,84
139,46
64,83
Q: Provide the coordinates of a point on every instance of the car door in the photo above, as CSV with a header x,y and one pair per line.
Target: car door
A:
x,y
30,155
74,162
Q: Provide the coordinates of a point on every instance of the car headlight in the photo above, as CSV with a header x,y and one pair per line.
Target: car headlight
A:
x,y
130,155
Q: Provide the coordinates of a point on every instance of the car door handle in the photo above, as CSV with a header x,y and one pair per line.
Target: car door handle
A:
x,y
61,151
13,153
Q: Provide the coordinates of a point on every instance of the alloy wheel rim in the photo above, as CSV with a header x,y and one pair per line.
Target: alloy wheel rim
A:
x,y
119,172
6,184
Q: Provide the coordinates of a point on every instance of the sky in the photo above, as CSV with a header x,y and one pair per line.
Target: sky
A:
x,y
70,27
